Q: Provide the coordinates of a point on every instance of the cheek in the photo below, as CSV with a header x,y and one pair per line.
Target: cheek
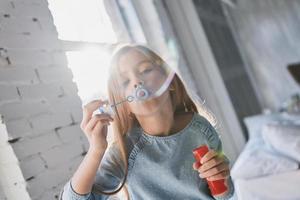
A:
x,y
124,92
157,80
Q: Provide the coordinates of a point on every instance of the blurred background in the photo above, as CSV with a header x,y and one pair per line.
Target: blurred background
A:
x,y
242,57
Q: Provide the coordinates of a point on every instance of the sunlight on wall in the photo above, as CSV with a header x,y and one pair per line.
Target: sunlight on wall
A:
x,y
90,70
87,21
79,20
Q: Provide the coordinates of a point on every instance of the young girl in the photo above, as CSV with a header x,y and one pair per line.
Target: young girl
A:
x,y
151,158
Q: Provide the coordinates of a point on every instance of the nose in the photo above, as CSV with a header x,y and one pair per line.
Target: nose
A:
x,y
139,83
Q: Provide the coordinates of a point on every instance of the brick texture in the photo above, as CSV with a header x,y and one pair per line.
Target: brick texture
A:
x,y
38,99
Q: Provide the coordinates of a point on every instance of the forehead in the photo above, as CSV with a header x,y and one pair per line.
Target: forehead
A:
x,y
131,59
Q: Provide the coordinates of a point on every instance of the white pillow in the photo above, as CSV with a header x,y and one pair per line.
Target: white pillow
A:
x,y
275,187
256,123
284,138
258,160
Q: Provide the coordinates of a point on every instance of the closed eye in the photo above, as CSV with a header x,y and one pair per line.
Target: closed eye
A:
x,y
147,71
125,83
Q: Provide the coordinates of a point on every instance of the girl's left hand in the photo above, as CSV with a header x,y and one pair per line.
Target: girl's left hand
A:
x,y
214,166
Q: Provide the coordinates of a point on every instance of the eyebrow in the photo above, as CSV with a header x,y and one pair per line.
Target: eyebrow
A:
x,y
136,65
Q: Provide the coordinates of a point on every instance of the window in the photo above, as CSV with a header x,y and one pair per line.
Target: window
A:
x,y
86,31
78,20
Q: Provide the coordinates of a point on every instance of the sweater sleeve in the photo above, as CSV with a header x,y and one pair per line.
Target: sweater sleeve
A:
x,y
111,171
215,143
109,176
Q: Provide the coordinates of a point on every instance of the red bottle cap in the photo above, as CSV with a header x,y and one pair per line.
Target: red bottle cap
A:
x,y
216,187
200,152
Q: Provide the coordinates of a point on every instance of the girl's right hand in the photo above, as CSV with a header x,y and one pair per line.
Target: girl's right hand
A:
x,y
95,127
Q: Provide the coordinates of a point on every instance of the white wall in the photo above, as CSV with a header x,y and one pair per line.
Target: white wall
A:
x,y
38,99
12,182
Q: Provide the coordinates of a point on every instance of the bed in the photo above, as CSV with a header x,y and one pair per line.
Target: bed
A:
x,y
268,166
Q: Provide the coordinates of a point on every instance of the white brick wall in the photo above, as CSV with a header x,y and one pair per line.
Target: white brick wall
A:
x,y
12,183
28,146
38,99
53,74
19,109
18,128
29,40
18,75
30,59
46,122
8,92
25,8
32,166
40,91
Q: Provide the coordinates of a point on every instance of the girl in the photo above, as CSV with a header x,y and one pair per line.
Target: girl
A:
x,y
151,158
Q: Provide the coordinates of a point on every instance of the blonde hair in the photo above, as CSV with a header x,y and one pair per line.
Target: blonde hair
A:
x,y
124,121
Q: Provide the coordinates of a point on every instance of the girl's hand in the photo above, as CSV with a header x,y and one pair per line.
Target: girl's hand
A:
x,y
214,166
95,127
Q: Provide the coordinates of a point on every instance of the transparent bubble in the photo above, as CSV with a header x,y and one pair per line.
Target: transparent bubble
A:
x,y
139,78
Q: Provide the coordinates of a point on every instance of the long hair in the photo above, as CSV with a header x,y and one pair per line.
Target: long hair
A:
x,y
124,121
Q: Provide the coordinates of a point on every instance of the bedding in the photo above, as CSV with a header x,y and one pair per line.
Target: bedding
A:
x,y
268,166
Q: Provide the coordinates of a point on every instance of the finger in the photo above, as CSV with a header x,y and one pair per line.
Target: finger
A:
x,y
210,164
98,116
92,123
222,175
89,109
104,116
209,155
99,126
214,171
196,165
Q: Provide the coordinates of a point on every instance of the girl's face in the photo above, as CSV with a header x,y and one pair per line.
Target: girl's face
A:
x,y
135,68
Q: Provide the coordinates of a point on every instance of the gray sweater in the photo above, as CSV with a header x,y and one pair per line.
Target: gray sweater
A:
x,y
159,168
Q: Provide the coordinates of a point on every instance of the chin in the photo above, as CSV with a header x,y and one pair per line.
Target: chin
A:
x,y
145,110
150,107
